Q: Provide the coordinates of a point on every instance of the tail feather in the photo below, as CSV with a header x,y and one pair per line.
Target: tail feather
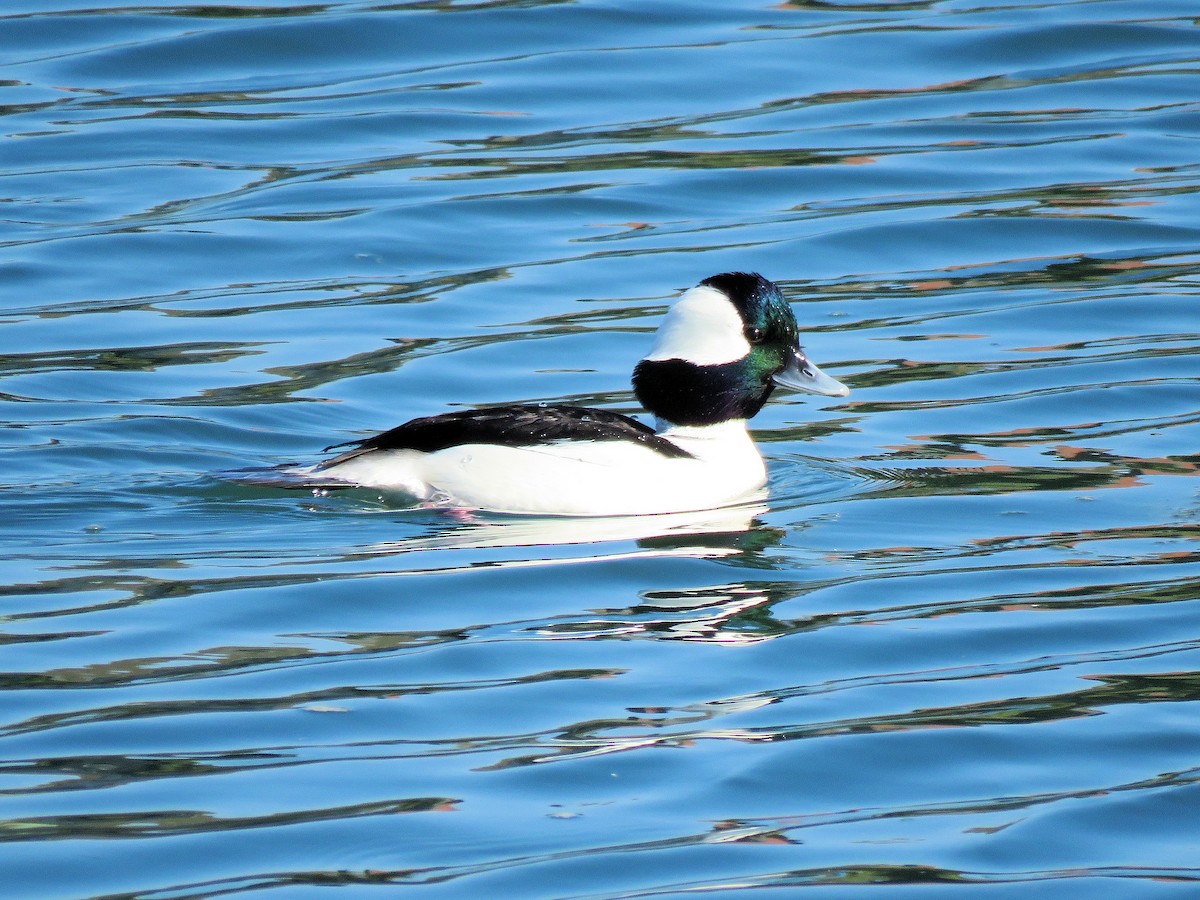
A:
x,y
287,475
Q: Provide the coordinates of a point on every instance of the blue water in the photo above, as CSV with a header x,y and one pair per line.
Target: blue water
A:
x,y
957,652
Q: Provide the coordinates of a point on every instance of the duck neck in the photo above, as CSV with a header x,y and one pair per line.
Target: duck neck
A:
x,y
684,394
729,429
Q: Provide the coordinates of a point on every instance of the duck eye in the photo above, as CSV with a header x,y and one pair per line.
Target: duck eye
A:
x,y
753,334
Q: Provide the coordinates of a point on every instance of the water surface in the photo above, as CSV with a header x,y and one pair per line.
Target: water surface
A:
x,y
957,648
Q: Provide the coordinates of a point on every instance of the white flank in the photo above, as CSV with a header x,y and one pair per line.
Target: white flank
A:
x,y
703,327
602,478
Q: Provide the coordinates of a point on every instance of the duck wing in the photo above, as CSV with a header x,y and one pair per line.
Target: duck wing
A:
x,y
512,426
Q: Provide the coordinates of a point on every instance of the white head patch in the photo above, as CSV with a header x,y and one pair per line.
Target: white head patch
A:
x,y
703,327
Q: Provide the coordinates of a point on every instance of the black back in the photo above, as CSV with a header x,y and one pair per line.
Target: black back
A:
x,y
511,426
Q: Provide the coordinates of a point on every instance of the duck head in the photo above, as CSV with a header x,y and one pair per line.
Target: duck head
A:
x,y
721,350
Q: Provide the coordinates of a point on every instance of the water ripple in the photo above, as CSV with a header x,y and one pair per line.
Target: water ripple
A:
x,y
954,643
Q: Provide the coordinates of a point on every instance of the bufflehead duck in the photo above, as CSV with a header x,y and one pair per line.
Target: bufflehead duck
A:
x,y
720,351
